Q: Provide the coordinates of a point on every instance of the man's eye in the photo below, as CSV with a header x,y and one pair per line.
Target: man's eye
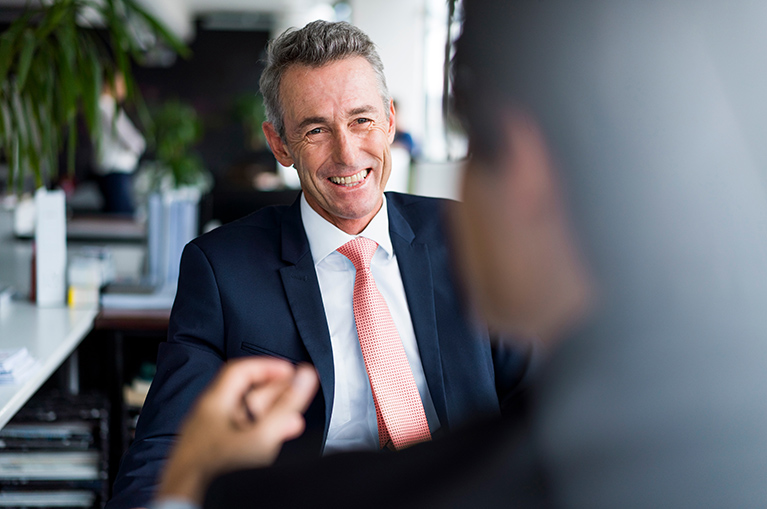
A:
x,y
363,120
316,130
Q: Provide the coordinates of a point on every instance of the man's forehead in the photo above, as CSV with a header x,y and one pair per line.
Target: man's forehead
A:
x,y
307,66
352,64
312,93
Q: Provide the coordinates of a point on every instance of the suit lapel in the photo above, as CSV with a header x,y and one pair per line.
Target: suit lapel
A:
x,y
302,289
415,267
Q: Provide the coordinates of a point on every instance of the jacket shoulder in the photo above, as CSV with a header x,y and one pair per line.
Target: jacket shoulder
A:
x,y
425,215
265,222
409,201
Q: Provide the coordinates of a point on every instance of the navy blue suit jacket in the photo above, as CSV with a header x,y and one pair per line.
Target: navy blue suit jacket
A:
x,y
250,288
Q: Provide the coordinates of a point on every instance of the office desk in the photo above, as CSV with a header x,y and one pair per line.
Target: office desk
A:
x,y
132,319
124,329
50,335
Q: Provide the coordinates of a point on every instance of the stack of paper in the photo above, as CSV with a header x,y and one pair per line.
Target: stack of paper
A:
x,y
173,218
89,269
16,365
47,436
160,297
47,498
50,466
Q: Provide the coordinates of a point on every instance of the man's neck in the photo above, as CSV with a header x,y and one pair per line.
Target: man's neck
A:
x,y
325,237
346,225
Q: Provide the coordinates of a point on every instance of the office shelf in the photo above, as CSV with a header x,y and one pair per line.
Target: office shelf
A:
x,y
55,453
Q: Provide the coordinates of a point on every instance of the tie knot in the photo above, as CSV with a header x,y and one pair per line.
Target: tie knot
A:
x,y
359,251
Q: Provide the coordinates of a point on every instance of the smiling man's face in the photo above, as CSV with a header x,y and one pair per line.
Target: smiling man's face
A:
x,y
337,137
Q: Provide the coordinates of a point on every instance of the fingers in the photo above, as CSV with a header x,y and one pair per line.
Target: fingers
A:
x,y
218,435
264,396
294,393
251,387
283,420
259,400
239,376
304,387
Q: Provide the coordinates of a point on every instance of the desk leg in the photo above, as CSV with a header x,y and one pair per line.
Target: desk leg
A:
x,y
68,375
119,434
71,372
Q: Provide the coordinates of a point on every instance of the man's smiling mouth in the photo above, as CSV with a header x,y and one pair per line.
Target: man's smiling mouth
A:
x,y
350,181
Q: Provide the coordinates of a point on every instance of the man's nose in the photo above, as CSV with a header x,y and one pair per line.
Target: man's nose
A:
x,y
345,148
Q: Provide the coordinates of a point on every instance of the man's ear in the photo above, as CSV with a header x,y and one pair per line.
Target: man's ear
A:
x,y
277,145
392,121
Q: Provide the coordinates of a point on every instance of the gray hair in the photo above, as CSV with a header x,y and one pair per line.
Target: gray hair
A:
x,y
318,43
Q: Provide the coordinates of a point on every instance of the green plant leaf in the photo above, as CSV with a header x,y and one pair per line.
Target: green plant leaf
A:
x,y
9,43
5,125
33,122
50,140
29,43
90,70
72,147
6,54
175,43
26,153
68,84
53,17
13,159
32,158
144,116
177,129
51,70
120,40
19,120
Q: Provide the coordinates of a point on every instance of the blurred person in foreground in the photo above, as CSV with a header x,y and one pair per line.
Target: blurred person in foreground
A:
x,y
615,206
281,282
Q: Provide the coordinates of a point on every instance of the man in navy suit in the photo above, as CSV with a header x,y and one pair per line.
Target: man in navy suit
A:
x,y
272,284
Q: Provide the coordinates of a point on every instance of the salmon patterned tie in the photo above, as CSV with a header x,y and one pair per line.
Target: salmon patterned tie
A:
x,y
401,418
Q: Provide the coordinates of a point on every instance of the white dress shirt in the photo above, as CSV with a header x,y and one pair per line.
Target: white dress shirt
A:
x,y
121,144
353,423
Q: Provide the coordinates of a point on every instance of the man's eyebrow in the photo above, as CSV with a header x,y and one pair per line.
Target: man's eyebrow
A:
x,y
311,120
361,109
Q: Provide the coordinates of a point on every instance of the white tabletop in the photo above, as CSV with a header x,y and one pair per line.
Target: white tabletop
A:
x,y
50,335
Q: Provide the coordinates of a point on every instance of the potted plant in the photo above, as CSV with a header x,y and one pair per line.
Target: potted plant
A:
x,y
249,110
176,128
172,184
53,60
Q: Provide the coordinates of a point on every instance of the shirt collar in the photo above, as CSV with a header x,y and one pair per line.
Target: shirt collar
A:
x,y
325,238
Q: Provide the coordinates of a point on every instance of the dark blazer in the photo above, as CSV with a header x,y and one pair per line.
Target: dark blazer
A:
x,y
250,288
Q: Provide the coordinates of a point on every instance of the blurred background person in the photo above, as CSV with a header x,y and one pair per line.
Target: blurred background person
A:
x,y
117,150
403,152
403,138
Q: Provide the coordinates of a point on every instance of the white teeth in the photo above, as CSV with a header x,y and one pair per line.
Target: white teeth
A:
x,y
350,181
